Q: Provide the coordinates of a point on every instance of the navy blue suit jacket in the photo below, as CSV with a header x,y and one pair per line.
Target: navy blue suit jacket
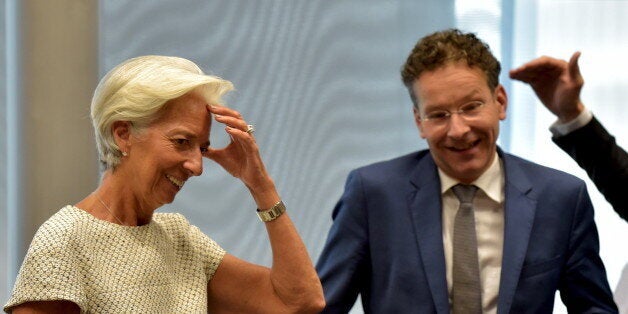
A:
x,y
386,242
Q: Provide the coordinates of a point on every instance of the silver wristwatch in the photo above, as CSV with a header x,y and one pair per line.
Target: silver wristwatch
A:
x,y
272,213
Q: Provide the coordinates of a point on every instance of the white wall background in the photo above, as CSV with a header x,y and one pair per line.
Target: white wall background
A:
x,y
558,28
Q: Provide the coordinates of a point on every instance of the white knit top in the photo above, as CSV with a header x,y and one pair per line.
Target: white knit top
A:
x,y
161,267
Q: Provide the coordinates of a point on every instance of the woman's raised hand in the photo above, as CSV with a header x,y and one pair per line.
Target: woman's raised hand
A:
x,y
241,157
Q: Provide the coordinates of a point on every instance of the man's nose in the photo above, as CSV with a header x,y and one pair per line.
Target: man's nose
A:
x,y
458,126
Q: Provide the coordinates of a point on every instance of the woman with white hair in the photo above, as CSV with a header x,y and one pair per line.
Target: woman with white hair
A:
x,y
111,253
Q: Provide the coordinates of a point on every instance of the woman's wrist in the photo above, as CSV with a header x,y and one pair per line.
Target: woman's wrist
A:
x,y
265,195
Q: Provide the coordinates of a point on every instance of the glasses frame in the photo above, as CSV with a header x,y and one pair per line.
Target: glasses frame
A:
x,y
463,111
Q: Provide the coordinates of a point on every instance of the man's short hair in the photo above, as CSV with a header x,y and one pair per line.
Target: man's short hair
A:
x,y
449,46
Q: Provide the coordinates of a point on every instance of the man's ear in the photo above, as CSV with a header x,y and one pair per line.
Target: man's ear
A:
x,y
121,131
418,121
502,101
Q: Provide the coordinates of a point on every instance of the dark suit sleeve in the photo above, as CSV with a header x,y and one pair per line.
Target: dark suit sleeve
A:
x,y
583,285
595,150
343,265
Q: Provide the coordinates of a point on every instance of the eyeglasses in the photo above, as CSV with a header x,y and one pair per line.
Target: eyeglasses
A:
x,y
468,111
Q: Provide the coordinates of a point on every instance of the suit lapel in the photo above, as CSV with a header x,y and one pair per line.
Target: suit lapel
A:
x,y
424,203
519,211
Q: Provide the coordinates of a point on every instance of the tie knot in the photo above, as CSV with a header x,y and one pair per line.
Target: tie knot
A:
x,y
465,193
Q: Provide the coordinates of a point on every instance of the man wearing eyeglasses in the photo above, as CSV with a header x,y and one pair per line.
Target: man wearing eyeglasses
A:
x,y
462,227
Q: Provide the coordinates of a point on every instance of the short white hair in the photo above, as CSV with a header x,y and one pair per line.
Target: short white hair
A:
x,y
136,90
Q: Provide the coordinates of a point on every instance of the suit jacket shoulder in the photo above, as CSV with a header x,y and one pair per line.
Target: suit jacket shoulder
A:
x,y
398,168
519,170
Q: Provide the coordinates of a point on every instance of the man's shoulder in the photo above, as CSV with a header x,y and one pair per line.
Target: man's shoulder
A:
x,y
389,173
535,172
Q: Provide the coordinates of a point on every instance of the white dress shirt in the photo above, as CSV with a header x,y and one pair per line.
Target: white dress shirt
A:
x,y
560,129
488,207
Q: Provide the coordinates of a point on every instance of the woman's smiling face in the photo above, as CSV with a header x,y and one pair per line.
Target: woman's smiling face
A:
x,y
164,155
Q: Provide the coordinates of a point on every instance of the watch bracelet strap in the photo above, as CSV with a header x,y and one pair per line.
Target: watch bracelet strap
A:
x,y
271,214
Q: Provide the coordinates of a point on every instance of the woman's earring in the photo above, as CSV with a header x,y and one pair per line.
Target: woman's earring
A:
x,y
124,154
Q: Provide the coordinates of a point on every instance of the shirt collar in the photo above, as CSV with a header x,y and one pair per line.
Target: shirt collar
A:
x,y
491,181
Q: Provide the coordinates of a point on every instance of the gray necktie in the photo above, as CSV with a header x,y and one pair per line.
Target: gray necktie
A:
x,y
467,295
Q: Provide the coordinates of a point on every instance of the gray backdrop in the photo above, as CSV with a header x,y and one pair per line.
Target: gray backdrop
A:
x,y
3,162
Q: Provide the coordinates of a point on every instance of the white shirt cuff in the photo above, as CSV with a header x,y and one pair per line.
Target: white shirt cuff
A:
x,y
560,129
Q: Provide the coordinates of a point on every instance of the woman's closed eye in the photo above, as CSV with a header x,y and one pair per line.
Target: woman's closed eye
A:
x,y
181,141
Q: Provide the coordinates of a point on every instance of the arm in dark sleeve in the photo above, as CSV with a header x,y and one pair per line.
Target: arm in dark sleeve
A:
x,y
583,286
343,266
596,151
